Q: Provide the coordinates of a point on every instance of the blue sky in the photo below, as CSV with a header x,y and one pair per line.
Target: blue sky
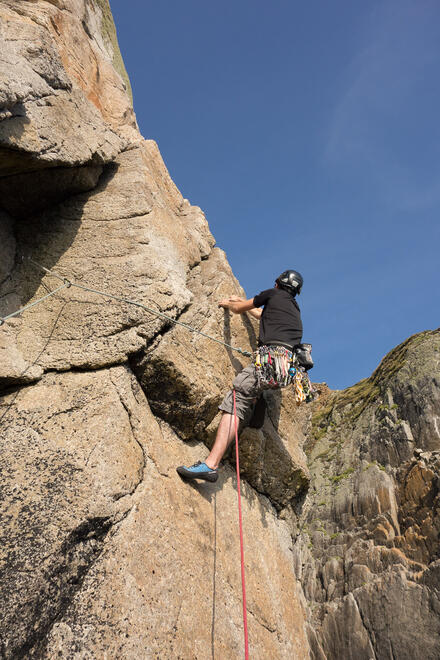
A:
x,y
309,135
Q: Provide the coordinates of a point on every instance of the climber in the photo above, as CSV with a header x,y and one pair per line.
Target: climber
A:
x,y
280,328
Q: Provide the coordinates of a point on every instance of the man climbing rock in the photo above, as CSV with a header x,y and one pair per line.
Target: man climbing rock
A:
x,y
280,331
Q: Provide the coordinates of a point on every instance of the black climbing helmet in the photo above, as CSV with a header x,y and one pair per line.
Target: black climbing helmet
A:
x,y
290,280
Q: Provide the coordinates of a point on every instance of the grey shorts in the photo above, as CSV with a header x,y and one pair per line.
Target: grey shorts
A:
x,y
247,388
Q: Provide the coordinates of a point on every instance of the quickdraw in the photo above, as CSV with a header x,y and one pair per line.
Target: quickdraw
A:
x,y
278,367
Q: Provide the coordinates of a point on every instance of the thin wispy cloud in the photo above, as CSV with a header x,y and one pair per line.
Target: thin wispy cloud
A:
x,y
385,121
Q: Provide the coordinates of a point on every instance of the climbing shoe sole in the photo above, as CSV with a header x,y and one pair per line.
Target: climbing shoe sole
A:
x,y
190,475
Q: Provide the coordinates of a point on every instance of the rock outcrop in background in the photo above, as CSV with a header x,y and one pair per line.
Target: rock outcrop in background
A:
x,y
367,546
104,551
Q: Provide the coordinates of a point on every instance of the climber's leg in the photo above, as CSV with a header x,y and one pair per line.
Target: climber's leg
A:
x,y
225,435
246,388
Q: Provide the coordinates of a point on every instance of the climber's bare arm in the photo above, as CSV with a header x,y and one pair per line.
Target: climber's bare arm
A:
x,y
256,312
240,305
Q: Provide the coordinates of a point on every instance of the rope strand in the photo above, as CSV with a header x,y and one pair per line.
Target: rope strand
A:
x,y
68,283
240,523
35,302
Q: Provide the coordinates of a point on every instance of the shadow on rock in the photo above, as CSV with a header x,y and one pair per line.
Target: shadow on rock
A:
x,y
47,235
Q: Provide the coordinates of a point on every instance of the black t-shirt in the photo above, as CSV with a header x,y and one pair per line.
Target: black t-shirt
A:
x,y
280,321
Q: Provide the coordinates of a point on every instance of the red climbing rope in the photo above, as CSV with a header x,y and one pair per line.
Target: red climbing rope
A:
x,y
243,585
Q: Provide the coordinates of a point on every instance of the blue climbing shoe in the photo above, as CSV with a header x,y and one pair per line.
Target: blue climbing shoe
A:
x,y
198,471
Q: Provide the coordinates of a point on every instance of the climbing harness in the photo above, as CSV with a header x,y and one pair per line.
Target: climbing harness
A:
x,y
278,367
68,283
240,522
274,366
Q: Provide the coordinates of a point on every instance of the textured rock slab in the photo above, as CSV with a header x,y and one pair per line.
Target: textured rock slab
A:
x,y
40,106
71,457
406,623
170,587
97,67
186,375
150,584
50,85
104,550
135,237
367,541
273,464
13,367
416,388
419,497
344,634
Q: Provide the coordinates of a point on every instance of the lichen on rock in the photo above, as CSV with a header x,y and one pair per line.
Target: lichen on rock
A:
x,y
108,32
373,458
105,552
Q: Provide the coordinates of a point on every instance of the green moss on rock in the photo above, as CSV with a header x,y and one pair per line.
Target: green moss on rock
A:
x,y
339,477
320,422
109,35
352,402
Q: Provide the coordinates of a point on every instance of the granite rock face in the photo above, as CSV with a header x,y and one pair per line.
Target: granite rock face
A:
x,y
105,552
367,545
64,108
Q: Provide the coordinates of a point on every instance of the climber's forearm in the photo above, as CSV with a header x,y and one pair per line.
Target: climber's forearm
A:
x,y
256,312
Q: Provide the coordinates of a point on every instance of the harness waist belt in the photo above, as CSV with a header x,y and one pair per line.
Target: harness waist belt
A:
x,y
278,343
